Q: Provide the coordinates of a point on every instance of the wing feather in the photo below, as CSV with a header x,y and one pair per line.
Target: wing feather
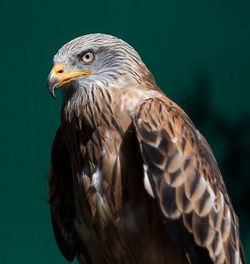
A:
x,y
185,179
62,207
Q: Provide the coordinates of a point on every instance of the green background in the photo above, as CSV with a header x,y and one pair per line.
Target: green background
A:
x,y
199,53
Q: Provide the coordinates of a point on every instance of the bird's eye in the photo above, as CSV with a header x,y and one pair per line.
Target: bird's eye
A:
x,y
88,57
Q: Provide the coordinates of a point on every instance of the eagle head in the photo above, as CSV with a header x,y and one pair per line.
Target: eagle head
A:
x,y
95,59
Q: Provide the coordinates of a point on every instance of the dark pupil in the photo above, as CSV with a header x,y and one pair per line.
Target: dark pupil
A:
x,y
87,56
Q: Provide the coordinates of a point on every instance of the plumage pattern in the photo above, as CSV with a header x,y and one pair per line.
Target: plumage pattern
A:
x,y
185,178
132,180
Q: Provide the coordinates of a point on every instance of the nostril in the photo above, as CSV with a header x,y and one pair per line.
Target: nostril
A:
x,y
58,68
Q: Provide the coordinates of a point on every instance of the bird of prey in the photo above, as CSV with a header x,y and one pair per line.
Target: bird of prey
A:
x,y
131,179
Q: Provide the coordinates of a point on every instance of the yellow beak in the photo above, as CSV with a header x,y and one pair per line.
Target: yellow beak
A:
x,y
58,77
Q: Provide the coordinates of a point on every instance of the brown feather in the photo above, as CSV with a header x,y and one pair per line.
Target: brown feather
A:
x,y
115,218
197,190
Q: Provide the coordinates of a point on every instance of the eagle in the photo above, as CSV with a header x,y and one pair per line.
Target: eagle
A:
x,y
132,181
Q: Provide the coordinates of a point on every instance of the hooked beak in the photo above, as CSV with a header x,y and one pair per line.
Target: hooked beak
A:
x,y
58,77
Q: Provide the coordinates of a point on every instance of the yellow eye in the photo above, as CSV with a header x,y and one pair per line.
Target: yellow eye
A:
x,y
88,57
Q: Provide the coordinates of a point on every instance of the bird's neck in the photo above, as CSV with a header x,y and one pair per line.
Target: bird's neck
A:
x,y
92,104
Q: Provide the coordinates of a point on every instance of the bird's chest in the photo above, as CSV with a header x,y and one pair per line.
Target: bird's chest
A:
x,y
111,201
108,190
94,140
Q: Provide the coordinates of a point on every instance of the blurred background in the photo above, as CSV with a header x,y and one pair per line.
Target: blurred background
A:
x,y
199,52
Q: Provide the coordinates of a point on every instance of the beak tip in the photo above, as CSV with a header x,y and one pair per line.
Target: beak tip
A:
x,y
52,92
52,84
